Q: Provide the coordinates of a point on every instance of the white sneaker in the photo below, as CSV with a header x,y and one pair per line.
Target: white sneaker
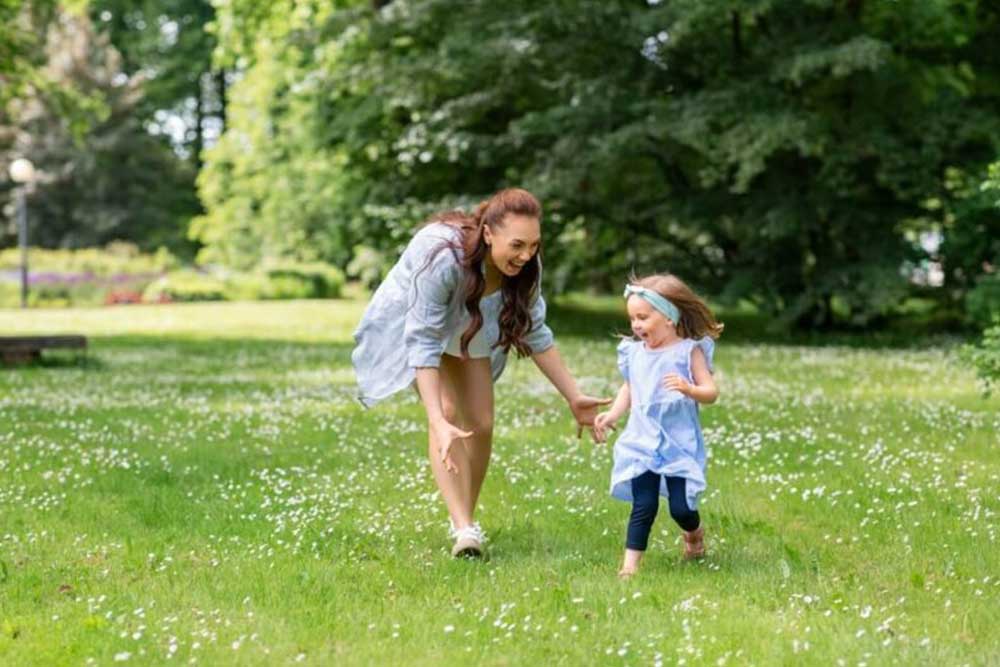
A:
x,y
474,526
469,541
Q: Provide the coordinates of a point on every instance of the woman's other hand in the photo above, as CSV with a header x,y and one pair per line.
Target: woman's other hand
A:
x,y
445,433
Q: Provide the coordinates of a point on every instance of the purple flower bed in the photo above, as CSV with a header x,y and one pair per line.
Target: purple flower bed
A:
x,y
69,279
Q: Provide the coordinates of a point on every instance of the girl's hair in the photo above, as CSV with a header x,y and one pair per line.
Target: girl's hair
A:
x,y
696,318
519,291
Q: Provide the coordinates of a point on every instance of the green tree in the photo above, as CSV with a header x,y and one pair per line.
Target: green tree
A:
x,y
818,135
111,180
18,43
784,152
274,186
170,44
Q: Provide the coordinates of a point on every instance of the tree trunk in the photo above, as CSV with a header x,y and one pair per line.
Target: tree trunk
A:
x,y
819,315
199,119
220,90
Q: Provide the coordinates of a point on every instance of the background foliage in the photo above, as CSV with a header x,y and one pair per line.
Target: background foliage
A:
x,y
821,160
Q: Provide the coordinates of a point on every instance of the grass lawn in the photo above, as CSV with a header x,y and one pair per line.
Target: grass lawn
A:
x,y
204,489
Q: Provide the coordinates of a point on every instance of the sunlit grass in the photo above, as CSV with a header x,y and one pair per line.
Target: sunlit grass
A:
x,y
204,488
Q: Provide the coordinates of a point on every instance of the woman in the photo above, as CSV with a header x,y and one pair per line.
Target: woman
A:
x,y
464,292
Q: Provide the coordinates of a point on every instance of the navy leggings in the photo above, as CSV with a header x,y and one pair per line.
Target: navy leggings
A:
x,y
646,502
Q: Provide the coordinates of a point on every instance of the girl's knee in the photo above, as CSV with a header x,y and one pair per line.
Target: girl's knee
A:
x,y
681,514
686,518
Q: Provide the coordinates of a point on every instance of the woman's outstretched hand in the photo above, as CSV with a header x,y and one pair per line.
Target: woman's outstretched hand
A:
x,y
444,433
585,410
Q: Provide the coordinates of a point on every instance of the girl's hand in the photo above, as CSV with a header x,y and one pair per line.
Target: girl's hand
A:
x,y
444,433
584,409
677,383
602,424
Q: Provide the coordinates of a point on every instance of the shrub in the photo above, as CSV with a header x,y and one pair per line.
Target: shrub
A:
x,y
985,357
116,258
83,277
119,273
982,302
119,296
49,292
313,280
247,286
288,287
10,295
261,287
368,266
185,285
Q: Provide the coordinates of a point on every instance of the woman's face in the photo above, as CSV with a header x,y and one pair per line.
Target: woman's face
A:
x,y
513,243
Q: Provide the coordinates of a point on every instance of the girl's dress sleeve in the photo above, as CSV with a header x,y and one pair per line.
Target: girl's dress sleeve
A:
x,y
540,337
707,345
430,296
624,348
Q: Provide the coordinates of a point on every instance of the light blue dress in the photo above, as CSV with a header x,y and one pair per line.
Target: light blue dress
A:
x,y
663,433
418,310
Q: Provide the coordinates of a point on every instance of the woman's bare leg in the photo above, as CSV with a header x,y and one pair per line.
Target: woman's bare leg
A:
x,y
452,485
467,402
474,386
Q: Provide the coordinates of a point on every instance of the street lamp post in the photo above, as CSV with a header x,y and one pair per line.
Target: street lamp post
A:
x,y
22,172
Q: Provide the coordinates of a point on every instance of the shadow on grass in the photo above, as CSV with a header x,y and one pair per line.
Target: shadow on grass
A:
x,y
96,359
59,360
598,318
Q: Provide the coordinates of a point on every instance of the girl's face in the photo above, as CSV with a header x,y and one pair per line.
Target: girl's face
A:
x,y
647,322
513,243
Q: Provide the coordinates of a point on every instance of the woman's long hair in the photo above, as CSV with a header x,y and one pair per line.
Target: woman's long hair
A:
x,y
696,320
519,291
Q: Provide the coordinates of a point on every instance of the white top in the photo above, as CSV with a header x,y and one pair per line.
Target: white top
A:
x,y
418,310
479,347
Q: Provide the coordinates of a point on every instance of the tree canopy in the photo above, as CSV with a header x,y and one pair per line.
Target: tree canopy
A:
x,y
788,153
811,158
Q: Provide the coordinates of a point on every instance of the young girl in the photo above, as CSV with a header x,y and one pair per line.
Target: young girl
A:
x,y
464,293
667,367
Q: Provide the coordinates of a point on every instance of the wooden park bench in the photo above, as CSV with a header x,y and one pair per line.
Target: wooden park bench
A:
x,y
24,349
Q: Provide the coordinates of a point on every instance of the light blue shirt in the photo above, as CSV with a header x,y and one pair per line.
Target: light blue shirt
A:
x,y
416,311
663,433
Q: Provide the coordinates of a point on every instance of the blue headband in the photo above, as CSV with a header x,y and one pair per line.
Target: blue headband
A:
x,y
655,300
